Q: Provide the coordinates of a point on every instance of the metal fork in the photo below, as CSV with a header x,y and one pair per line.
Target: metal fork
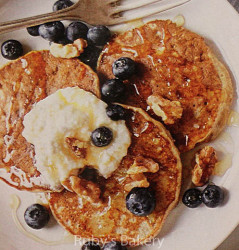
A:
x,y
94,12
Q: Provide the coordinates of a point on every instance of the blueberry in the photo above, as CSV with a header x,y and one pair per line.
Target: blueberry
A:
x,y
90,56
212,196
76,30
115,112
140,201
123,68
90,245
11,49
192,198
89,174
33,30
114,245
52,31
98,35
101,137
62,4
63,40
113,90
36,216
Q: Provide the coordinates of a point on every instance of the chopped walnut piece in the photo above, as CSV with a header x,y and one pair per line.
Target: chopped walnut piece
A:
x,y
68,50
143,165
179,20
205,161
78,147
135,174
80,44
135,180
86,189
169,111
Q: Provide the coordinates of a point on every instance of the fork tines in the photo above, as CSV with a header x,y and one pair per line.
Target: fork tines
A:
x,y
131,10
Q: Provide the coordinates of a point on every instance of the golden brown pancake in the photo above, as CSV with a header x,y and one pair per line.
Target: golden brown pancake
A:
x,y
110,219
23,83
175,65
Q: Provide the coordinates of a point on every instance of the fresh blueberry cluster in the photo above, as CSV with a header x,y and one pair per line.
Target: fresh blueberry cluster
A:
x,y
112,245
56,32
212,196
113,90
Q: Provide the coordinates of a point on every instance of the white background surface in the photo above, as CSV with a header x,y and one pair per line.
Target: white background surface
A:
x,y
194,229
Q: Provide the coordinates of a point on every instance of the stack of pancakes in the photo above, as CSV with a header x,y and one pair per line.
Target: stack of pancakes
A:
x,y
174,67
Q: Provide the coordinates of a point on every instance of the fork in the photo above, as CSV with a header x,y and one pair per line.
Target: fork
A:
x,y
94,12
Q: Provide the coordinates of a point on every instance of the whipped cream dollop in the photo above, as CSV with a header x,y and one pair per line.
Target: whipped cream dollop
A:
x,y
71,114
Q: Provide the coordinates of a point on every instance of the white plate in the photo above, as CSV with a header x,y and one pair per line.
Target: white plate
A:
x,y
193,229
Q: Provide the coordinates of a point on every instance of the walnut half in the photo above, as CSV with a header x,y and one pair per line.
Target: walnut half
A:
x,y
204,163
169,111
78,147
68,50
135,174
143,165
86,189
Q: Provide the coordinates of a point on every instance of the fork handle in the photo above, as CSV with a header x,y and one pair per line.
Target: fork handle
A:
x,y
39,19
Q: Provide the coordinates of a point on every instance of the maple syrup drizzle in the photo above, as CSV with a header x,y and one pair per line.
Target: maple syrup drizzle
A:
x,y
233,119
14,204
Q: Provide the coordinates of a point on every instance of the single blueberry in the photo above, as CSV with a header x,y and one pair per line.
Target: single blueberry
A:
x,y
98,35
76,30
36,216
212,196
62,4
33,30
90,245
90,56
101,136
123,68
52,31
114,245
113,90
192,198
63,40
11,49
140,201
115,112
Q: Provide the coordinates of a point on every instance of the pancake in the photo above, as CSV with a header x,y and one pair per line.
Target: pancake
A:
x,y
178,80
24,82
109,219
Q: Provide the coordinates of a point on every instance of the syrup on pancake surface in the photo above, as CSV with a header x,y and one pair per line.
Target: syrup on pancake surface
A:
x,y
174,64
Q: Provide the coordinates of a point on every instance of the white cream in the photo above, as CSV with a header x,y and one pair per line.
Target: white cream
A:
x,y
72,112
